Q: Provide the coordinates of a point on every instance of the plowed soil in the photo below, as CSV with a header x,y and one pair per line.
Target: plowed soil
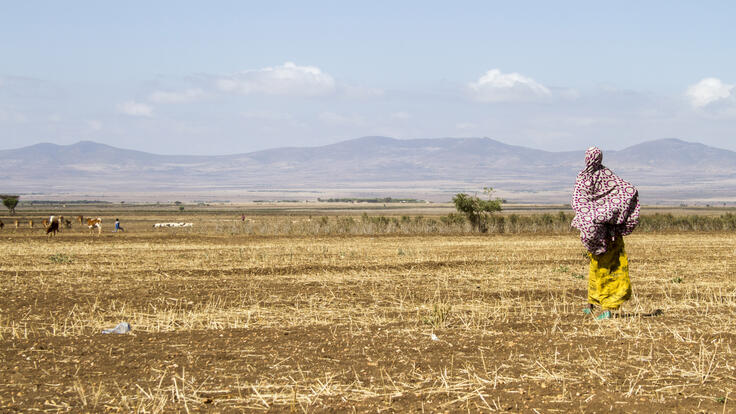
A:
x,y
230,323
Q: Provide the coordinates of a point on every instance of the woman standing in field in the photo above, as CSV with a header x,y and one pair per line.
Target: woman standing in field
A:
x,y
606,209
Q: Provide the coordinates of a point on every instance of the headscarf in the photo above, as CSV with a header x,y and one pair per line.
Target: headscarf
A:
x,y
605,206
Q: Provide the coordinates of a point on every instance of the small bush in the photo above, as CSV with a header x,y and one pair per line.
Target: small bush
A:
x,y
437,318
60,258
453,219
476,209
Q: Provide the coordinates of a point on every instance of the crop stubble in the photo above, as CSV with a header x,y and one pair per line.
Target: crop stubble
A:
x,y
329,323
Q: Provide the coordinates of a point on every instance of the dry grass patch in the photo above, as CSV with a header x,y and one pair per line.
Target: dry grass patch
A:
x,y
372,322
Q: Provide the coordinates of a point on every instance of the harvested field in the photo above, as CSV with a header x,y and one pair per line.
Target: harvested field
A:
x,y
231,322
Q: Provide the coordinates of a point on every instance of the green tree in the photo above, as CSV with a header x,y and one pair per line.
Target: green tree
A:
x,y
10,201
476,209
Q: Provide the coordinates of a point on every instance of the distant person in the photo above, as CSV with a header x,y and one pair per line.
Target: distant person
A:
x,y
242,217
606,209
117,226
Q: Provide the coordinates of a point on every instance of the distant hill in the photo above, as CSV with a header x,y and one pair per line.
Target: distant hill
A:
x,y
665,170
670,155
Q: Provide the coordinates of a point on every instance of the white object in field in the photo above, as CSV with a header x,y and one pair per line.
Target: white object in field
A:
x,y
123,327
158,225
434,337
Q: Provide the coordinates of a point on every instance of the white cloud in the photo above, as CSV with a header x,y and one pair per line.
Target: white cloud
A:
x,y
496,86
133,108
708,91
287,79
164,97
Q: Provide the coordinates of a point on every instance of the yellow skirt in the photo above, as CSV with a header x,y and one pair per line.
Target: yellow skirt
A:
x,y
608,278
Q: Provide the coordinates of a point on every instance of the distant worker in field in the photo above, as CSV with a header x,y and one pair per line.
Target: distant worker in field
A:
x,y
606,209
242,217
117,226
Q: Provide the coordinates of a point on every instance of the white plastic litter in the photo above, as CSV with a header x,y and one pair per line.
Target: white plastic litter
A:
x,y
434,337
123,327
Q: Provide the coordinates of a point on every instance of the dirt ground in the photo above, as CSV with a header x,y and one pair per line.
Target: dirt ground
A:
x,y
231,323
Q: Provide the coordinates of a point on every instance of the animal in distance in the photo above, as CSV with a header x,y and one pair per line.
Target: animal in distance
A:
x,y
47,224
95,223
53,227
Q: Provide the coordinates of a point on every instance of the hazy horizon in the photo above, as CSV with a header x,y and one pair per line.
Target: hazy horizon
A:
x,y
129,148
237,77
665,171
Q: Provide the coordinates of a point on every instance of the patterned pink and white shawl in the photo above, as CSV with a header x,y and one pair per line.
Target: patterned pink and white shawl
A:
x,y
605,205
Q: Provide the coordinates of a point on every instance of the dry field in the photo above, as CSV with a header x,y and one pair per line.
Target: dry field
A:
x,y
227,322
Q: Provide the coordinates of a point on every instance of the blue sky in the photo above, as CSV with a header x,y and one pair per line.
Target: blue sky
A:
x,y
232,76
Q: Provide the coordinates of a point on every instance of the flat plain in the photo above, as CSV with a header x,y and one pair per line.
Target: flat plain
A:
x,y
226,320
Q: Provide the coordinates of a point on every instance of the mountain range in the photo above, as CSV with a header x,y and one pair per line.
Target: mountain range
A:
x,y
665,170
